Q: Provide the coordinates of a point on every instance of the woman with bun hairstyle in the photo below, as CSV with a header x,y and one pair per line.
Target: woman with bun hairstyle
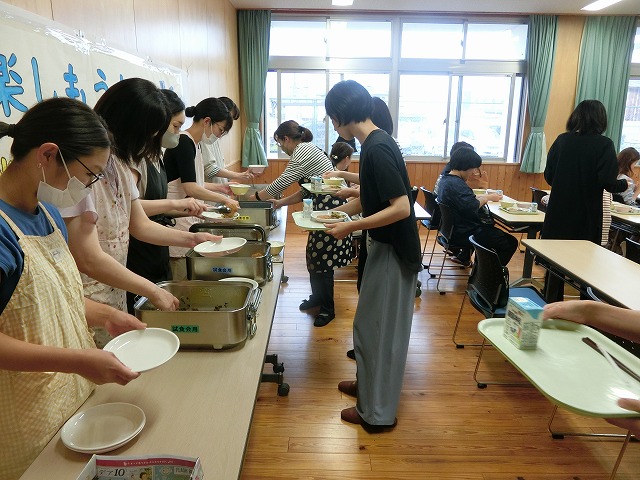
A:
x,y
135,111
324,253
185,168
48,361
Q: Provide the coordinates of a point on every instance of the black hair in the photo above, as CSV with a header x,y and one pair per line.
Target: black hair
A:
x,y
73,126
381,116
234,111
465,159
352,142
293,130
458,145
174,103
339,152
347,102
211,107
588,118
136,112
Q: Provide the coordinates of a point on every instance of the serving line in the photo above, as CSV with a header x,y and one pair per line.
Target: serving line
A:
x,y
198,404
586,264
516,223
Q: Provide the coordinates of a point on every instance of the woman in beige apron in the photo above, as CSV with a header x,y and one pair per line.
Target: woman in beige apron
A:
x,y
185,168
49,362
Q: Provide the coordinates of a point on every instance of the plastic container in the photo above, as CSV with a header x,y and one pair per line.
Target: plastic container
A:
x,y
307,207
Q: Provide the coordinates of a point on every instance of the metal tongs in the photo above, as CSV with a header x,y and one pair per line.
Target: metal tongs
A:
x,y
219,209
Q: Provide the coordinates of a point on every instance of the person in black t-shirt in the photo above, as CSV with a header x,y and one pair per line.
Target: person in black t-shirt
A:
x,y
382,323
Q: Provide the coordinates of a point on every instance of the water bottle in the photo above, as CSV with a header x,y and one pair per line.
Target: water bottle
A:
x,y
307,207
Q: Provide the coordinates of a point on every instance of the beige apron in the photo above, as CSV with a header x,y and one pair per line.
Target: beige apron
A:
x,y
176,192
47,308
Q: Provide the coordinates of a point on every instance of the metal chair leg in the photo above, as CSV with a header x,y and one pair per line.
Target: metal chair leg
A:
x,y
481,384
455,330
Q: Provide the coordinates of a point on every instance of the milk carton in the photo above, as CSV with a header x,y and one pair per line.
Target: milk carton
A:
x,y
522,322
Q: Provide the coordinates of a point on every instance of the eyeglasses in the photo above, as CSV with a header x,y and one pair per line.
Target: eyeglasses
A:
x,y
96,176
223,130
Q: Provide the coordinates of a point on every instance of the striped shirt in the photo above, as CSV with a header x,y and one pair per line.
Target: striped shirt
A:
x,y
306,160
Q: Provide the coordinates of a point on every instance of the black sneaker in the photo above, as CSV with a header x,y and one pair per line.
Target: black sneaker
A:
x,y
323,319
351,354
462,263
309,304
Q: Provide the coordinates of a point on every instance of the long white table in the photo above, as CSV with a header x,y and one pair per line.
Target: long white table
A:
x,y
199,404
613,276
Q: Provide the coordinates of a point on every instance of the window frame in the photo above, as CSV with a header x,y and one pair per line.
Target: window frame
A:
x,y
395,66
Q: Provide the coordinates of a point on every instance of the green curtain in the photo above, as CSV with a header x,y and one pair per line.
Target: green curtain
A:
x,y
253,38
603,74
541,48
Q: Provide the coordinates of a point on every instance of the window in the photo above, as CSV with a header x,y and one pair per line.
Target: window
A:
x,y
631,122
451,79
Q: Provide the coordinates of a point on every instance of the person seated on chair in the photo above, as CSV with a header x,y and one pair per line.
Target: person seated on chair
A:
x,y
627,159
472,217
622,322
479,179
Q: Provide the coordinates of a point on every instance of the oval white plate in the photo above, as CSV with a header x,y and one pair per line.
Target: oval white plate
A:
x,y
250,281
103,428
142,350
217,249
218,216
315,215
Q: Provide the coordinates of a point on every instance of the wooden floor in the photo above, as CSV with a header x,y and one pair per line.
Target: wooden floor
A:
x,y
447,427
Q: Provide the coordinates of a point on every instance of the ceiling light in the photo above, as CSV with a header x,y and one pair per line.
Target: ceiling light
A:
x,y
341,3
599,5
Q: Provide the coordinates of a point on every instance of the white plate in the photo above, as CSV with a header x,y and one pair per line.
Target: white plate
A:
x,y
143,350
218,216
250,281
102,428
315,216
218,249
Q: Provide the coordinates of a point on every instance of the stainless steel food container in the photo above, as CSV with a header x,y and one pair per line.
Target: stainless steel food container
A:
x,y
248,231
251,261
211,315
260,213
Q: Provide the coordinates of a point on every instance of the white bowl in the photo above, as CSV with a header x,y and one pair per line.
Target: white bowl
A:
x,y
337,181
276,247
256,168
239,188
250,281
225,246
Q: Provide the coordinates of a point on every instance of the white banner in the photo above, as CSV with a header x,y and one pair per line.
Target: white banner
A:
x,y
40,59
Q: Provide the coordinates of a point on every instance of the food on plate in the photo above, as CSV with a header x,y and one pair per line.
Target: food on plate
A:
x,y
331,216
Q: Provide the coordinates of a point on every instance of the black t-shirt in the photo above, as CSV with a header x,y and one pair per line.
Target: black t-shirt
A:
x,y
179,162
383,176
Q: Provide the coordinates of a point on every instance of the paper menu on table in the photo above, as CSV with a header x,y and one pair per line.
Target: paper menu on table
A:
x,y
149,467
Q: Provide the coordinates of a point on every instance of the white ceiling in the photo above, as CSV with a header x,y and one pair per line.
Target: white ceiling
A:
x,y
625,7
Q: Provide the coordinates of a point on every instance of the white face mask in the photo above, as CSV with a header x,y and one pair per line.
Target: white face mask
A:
x,y
208,139
170,139
75,192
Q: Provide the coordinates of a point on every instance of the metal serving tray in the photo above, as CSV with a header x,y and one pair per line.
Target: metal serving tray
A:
x,y
251,261
248,231
211,315
260,213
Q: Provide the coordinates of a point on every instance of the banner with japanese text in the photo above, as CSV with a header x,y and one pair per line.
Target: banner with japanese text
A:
x,y
40,59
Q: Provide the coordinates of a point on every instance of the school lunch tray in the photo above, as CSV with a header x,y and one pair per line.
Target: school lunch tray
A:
x,y
253,260
212,315
518,211
567,371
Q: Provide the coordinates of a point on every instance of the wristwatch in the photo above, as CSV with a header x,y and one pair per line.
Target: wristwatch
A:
x,y
257,197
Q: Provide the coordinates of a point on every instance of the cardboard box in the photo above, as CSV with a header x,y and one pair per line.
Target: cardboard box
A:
x,y
522,322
